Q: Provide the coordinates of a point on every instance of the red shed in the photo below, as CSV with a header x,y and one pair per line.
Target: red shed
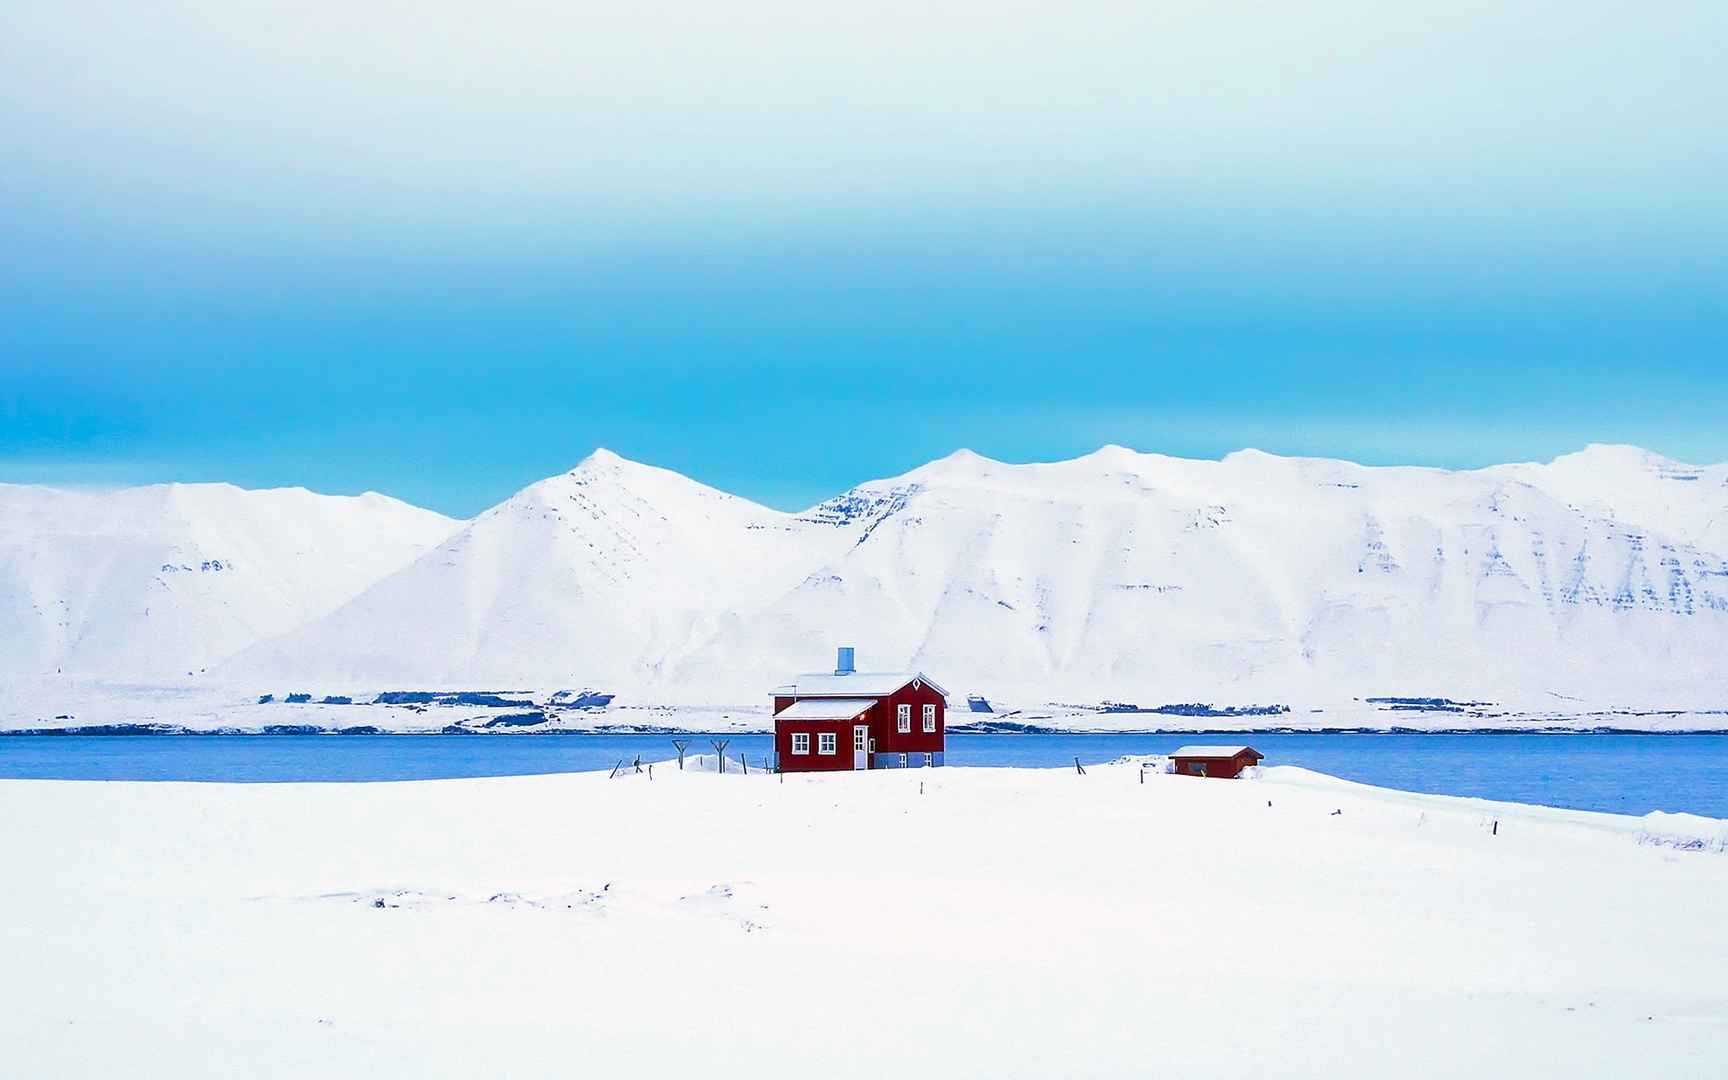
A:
x,y
1221,761
847,719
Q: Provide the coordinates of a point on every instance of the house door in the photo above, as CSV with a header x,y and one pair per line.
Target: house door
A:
x,y
861,746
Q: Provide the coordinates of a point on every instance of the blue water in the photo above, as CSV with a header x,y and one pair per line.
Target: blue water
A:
x,y
1627,774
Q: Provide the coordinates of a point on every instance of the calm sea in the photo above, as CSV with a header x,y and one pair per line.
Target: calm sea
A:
x,y
1627,774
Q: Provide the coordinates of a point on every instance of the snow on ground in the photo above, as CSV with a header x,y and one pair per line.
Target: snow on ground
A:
x,y
956,922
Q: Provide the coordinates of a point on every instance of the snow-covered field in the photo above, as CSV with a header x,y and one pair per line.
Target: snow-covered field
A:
x,y
958,922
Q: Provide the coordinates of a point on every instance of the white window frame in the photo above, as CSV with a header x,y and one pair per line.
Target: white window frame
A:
x,y
929,759
903,718
903,761
929,719
800,742
828,742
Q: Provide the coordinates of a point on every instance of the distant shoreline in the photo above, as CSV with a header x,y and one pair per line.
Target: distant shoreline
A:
x,y
168,730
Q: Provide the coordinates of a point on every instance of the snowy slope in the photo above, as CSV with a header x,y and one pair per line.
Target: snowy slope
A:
x,y
1150,577
159,582
1121,575
598,575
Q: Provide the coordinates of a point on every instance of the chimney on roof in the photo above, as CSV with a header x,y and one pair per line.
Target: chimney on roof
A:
x,y
843,665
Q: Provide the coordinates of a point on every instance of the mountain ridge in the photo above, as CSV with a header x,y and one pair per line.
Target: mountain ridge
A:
x,y
1117,574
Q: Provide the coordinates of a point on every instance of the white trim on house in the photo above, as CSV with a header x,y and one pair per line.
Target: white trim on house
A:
x,y
903,718
929,718
827,742
800,742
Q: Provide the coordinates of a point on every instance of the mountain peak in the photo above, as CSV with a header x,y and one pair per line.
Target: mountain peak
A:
x,y
1112,454
961,462
963,457
601,458
1622,454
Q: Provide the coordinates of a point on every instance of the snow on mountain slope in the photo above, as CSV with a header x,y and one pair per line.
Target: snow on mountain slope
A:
x,y
596,575
1634,485
159,582
1116,575
1146,577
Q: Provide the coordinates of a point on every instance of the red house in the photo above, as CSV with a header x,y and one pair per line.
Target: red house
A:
x,y
1221,761
859,720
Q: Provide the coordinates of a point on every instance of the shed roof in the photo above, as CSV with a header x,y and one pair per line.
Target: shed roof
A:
x,y
865,683
825,709
1215,751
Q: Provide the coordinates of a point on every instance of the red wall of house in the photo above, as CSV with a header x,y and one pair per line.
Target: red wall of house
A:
x,y
1225,768
841,759
883,731
891,741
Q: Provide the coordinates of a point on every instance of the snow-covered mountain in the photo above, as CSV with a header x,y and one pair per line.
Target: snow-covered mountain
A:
x,y
1600,576
156,583
601,575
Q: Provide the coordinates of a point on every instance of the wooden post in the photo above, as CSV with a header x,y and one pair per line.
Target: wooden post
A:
x,y
680,744
1077,767
720,746
1496,828
616,767
744,761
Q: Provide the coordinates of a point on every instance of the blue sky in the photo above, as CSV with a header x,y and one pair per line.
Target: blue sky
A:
x,y
443,251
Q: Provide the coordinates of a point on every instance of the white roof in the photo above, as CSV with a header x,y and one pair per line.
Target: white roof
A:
x,y
868,683
844,708
1213,751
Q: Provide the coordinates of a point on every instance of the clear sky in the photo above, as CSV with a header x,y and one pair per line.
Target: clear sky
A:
x,y
444,249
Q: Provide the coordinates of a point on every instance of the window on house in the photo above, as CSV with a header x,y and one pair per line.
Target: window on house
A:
x,y
825,742
800,742
903,717
1197,768
929,718
903,761
929,759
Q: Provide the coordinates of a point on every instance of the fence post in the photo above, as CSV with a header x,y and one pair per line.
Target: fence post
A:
x,y
680,744
720,746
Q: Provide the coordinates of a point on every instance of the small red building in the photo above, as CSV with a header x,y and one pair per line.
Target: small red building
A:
x,y
850,719
1219,761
